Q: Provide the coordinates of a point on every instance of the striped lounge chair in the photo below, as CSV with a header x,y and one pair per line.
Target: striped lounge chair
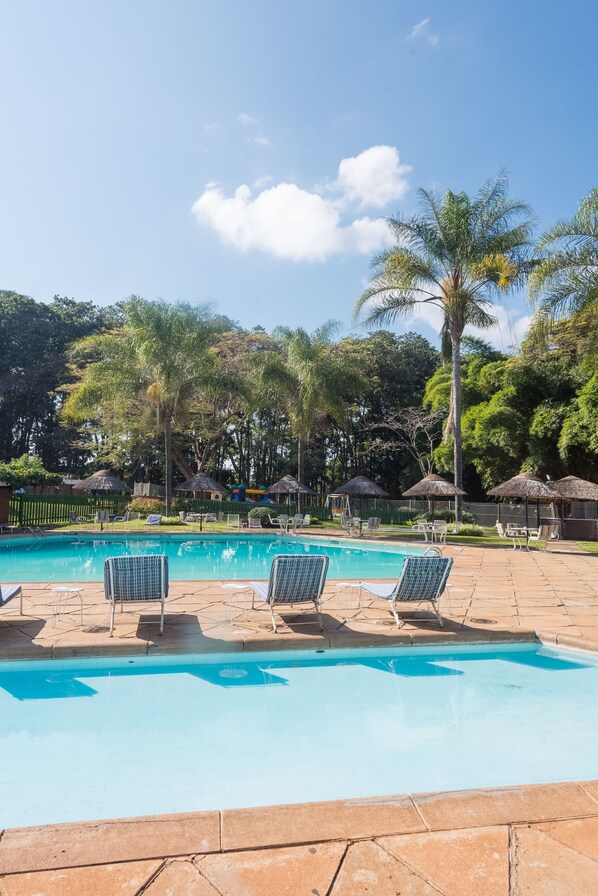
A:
x,y
294,579
136,579
422,579
8,592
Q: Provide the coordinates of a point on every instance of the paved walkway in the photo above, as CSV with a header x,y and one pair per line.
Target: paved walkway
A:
x,y
495,594
531,841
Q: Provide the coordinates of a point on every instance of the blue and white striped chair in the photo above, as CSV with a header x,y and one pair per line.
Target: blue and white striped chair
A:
x,y
294,579
8,592
137,579
421,579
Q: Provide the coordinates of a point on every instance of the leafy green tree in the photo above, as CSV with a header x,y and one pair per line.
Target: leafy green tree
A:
x,y
144,376
455,255
312,379
27,470
566,280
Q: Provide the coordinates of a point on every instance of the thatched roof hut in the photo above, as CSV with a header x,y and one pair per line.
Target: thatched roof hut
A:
x,y
433,486
200,483
289,485
572,488
361,487
102,481
526,486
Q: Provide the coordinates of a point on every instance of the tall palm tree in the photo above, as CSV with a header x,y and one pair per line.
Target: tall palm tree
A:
x,y
313,380
144,375
566,279
455,255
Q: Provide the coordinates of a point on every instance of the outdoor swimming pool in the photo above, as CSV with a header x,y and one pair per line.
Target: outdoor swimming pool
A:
x,y
105,738
80,558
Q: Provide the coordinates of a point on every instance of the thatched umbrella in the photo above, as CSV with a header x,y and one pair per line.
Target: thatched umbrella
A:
x,y
572,488
433,486
200,483
102,481
289,485
361,487
525,486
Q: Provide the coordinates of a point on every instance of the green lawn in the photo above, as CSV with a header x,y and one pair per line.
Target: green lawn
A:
x,y
590,546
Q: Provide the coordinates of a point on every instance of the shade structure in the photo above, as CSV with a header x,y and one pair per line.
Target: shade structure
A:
x,y
102,481
572,488
433,486
289,485
361,487
200,483
526,486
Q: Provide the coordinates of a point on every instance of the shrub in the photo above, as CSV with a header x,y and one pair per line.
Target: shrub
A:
x,y
471,529
172,521
263,513
147,505
27,470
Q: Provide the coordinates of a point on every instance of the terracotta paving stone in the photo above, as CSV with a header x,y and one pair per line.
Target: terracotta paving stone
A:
x,y
369,869
125,879
294,871
179,878
69,845
506,805
459,863
591,787
545,867
309,822
580,834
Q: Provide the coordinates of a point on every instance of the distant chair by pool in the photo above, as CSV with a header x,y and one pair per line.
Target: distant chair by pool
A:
x,y
136,579
8,593
233,521
421,579
154,519
254,522
294,579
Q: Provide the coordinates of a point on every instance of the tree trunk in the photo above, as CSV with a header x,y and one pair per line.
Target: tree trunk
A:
x,y
168,462
300,466
457,394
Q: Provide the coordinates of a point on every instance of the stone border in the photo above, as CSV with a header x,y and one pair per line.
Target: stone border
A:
x,y
168,836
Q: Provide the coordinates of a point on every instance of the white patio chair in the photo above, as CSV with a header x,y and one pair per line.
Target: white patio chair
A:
x,y
136,579
254,522
281,521
507,533
233,521
373,526
153,519
294,579
421,579
440,531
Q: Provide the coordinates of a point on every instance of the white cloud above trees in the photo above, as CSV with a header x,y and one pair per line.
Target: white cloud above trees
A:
x,y
288,221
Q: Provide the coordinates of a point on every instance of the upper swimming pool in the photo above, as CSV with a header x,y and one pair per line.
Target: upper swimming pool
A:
x,y
80,558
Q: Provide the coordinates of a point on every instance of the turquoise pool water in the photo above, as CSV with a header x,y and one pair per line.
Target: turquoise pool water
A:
x,y
105,738
70,558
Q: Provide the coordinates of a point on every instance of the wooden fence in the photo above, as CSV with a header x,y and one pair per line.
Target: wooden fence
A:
x,y
44,510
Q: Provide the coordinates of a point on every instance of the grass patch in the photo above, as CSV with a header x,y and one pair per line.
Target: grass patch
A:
x,y
590,546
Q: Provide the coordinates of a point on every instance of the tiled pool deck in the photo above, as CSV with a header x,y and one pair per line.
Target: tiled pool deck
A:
x,y
532,840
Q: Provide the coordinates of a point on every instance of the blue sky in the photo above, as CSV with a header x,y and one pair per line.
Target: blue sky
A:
x,y
245,153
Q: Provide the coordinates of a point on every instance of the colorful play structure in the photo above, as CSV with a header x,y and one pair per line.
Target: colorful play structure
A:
x,y
240,494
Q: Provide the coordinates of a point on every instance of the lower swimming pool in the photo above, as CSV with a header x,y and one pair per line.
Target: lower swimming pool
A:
x,y
80,558
104,738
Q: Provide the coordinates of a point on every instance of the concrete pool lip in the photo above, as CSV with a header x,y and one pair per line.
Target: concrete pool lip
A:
x,y
48,847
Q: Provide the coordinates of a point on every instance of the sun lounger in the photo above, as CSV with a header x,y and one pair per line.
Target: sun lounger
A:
x,y
137,579
421,579
294,580
8,593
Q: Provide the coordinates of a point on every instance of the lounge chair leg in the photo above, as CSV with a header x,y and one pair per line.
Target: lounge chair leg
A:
x,y
273,619
162,619
112,608
398,620
317,606
437,611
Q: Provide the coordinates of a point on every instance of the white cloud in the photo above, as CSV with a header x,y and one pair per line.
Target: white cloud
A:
x,y
260,140
287,221
373,178
246,119
212,128
422,31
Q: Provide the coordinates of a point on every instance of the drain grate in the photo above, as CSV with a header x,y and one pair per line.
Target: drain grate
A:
x,y
96,629
484,621
233,673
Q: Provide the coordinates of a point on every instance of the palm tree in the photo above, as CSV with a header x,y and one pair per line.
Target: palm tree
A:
x,y
313,380
566,278
144,375
455,255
